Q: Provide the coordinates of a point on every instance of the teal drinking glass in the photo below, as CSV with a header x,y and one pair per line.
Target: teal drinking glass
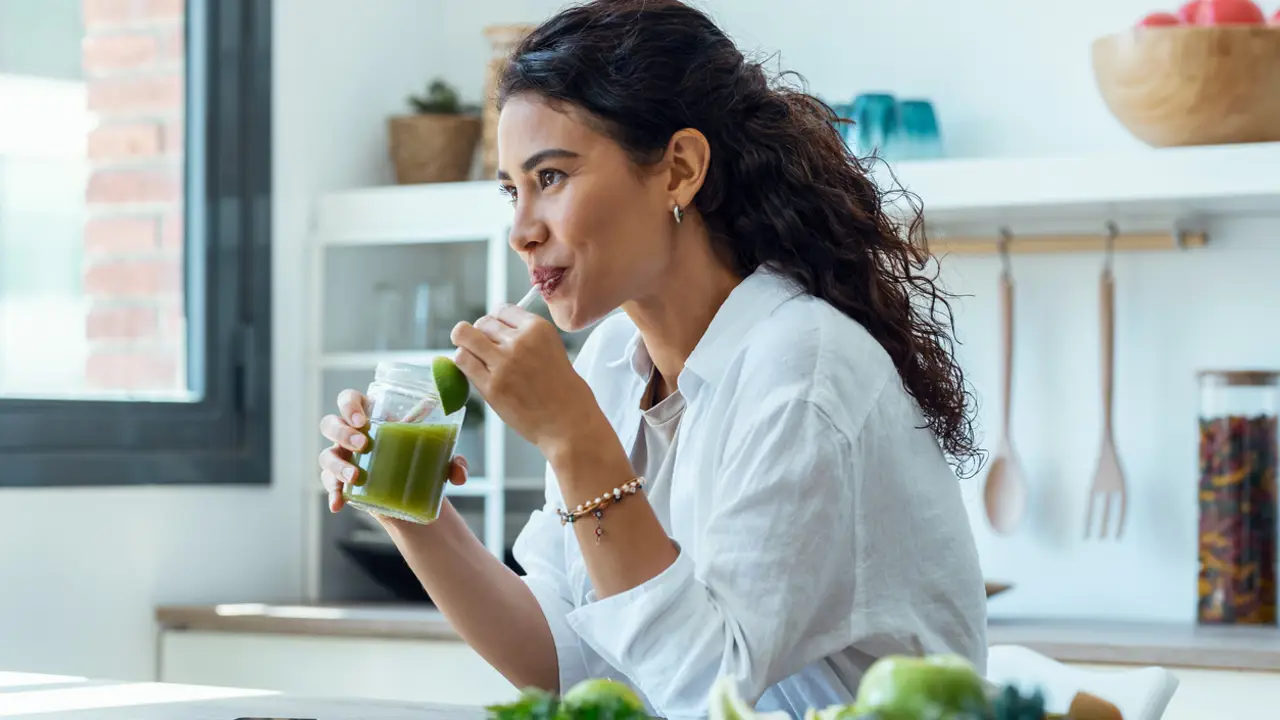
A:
x,y
919,133
877,128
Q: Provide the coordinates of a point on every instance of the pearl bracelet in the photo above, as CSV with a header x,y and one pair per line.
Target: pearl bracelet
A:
x,y
597,506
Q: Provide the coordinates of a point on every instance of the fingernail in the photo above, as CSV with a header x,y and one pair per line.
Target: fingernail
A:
x,y
333,501
349,473
358,420
357,440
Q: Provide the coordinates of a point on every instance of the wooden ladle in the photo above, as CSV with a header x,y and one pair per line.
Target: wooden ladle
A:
x,y
1005,494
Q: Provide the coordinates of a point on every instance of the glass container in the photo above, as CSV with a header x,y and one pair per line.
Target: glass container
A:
x,y
405,470
1239,458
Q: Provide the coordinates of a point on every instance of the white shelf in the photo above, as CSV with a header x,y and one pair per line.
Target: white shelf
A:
x,y
425,213
478,486
1158,185
1151,187
408,216
370,360
526,483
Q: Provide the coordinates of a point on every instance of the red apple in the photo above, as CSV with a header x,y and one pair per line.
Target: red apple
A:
x,y
1159,19
1229,12
1187,13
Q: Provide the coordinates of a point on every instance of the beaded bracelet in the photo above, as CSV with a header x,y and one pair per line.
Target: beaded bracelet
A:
x,y
597,507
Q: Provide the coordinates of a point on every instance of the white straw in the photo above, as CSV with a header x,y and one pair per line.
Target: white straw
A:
x,y
528,298
426,405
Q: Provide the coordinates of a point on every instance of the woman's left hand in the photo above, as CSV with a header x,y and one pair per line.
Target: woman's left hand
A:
x,y
518,363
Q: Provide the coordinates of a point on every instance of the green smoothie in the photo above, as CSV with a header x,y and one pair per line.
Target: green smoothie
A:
x,y
405,473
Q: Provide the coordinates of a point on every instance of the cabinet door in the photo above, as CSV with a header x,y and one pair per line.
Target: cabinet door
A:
x,y
447,672
1205,694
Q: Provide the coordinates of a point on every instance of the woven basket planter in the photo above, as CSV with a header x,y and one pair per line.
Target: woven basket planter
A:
x,y
433,148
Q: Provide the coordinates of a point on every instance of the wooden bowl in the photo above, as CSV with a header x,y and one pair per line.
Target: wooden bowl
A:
x,y
1192,85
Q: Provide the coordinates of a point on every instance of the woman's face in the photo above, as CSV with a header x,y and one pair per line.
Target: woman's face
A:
x,y
594,230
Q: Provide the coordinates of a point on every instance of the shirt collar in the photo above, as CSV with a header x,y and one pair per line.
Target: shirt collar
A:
x,y
758,295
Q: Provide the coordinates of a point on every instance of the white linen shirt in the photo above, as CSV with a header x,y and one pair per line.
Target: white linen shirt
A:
x,y
818,524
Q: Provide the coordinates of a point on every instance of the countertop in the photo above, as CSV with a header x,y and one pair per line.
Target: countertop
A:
x,y
1084,641
41,697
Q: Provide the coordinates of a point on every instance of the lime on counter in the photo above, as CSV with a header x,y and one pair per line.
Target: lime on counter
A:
x,y
604,698
451,384
937,686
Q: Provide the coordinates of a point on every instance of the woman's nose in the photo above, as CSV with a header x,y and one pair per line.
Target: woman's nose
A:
x,y
527,231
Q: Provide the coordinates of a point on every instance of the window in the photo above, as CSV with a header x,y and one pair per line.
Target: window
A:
x,y
134,241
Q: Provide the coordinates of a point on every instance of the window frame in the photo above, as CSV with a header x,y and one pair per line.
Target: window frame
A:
x,y
225,437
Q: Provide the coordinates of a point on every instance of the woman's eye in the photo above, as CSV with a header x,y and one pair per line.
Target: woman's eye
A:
x,y
548,177
509,191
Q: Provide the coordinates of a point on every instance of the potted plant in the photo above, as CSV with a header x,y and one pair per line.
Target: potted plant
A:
x,y
437,141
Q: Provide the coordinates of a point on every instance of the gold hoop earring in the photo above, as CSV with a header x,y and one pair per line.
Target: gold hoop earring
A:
x,y
677,213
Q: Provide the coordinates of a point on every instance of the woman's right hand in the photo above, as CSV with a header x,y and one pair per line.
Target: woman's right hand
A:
x,y
347,430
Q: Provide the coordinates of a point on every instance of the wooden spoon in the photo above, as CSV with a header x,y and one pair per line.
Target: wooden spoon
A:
x,y
1005,494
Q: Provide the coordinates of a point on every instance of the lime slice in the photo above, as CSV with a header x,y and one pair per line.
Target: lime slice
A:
x,y
451,384
725,703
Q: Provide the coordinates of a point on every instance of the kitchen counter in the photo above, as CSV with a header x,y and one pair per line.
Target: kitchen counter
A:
x,y
25,695
1137,643
395,621
1086,642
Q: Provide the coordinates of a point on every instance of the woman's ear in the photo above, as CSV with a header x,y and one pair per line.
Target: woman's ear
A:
x,y
688,157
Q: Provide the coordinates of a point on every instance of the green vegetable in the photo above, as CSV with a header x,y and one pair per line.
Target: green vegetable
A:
x,y
533,704
1009,704
595,699
937,687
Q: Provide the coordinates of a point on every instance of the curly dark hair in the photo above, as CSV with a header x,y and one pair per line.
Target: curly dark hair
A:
x,y
782,188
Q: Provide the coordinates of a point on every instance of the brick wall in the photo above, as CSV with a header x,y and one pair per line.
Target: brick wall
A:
x,y
133,239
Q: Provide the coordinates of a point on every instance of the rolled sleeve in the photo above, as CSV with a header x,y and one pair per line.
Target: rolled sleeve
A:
x,y
644,632
540,552
769,594
571,665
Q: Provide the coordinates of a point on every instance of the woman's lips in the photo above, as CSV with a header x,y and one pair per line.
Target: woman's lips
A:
x,y
548,279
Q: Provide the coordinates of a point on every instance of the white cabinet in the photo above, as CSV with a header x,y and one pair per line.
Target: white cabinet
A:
x,y
391,270
437,671
1209,694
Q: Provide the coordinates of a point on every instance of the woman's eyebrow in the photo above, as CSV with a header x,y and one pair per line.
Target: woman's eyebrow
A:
x,y
535,159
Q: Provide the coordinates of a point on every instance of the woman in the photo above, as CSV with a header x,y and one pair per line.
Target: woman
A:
x,y
774,379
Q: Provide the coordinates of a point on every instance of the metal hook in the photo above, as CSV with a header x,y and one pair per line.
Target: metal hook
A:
x,y
1112,233
1006,237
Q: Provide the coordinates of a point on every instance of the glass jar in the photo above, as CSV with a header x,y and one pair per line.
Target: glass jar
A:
x,y
405,469
1239,459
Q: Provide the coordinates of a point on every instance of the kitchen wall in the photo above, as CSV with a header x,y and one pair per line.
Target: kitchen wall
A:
x,y
1012,78
1009,77
81,570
